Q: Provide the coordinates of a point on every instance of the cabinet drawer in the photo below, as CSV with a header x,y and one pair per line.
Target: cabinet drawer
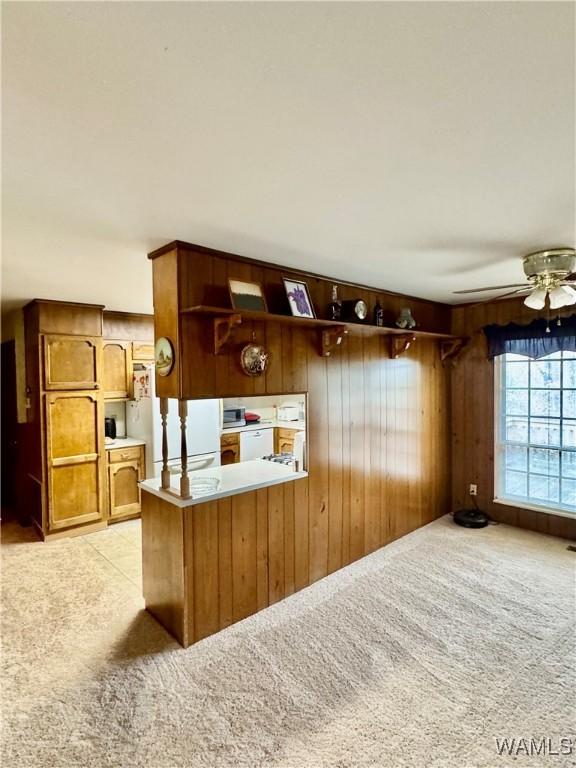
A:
x,y
124,454
230,439
142,350
288,434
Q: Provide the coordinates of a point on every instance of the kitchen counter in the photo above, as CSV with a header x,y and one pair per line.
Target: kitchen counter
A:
x,y
234,479
123,442
266,424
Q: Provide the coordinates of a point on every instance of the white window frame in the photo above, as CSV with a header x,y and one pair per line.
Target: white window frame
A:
x,y
499,443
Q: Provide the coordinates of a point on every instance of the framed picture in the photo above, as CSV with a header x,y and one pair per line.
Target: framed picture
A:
x,y
245,295
298,298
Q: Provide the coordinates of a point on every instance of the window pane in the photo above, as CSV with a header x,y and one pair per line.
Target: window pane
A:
x,y
568,464
569,373
544,488
569,433
569,403
569,492
517,374
537,427
516,483
517,402
516,457
545,431
545,402
545,373
516,429
544,461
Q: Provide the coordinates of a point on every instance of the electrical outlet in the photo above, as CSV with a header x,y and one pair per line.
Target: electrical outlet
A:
x,y
473,489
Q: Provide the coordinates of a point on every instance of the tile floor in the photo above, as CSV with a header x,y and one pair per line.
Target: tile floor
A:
x,y
121,546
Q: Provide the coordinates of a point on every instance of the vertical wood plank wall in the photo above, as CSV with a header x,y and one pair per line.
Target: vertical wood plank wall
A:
x,y
378,441
473,418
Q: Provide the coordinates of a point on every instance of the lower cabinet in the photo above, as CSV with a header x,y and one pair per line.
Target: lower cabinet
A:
x,y
125,470
230,448
285,440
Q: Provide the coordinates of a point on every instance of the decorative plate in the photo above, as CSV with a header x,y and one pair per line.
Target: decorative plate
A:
x,y
164,356
254,359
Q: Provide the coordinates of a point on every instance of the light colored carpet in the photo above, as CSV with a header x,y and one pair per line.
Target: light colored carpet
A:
x,y
419,655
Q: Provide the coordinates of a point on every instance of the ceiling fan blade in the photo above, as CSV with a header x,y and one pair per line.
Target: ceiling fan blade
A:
x,y
495,288
518,291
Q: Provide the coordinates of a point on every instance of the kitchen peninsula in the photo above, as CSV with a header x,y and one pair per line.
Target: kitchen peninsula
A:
x,y
377,444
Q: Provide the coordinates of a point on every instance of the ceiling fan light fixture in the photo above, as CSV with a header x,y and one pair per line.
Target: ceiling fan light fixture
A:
x,y
562,296
536,299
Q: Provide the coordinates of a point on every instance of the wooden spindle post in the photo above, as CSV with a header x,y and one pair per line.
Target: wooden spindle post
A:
x,y
165,475
184,481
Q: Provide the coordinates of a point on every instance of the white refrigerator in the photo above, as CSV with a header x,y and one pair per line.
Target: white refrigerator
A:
x,y
203,426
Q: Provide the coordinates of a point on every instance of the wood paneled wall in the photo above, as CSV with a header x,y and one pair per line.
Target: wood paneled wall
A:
x,y
378,428
473,418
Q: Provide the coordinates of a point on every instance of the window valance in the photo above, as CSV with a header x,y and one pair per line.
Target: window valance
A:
x,y
532,340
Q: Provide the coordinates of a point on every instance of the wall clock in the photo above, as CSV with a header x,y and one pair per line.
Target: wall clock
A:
x,y
164,356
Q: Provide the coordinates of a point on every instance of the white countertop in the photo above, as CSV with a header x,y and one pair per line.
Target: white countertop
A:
x,y
266,424
243,477
123,442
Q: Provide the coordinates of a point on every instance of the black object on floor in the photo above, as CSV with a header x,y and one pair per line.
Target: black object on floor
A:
x,y
471,518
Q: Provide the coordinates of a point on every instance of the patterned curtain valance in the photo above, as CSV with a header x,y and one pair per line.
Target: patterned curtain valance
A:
x,y
532,340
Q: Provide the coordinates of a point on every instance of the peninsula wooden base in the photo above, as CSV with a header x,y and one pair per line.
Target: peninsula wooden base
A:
x,y
210,565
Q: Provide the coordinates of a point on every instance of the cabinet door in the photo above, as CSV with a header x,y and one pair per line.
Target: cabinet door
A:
x,y
71,362
74,458
230,454
123,481
285,445
117,369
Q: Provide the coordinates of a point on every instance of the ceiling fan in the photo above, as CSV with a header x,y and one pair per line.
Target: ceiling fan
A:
x,y
549,273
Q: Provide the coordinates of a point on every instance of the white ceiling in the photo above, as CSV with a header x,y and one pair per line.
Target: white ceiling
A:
x,y
419,147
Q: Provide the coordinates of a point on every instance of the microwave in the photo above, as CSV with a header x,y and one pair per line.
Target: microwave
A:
x,y
233,417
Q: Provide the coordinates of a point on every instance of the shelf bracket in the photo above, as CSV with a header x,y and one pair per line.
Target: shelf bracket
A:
x,y
450,350
331,338
223,327
400,344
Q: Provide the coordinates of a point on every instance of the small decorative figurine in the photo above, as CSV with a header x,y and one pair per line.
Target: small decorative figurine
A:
x,y
378,314
335,306
405,319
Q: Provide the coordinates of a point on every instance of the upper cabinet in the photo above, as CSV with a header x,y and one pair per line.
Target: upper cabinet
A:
x,y
117,369
71,362
142,352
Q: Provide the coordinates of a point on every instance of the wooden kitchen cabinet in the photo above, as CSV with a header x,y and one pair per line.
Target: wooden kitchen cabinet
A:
x,y
230,448
117,369
125,470
74,458
285,440
142,352
71,362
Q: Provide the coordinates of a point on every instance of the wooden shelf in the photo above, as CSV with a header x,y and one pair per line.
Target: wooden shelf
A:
x,y
267,317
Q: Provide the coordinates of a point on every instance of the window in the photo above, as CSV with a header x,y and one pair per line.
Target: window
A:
x,y
536,431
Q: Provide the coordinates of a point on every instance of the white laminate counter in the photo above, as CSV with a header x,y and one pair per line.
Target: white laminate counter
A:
x,y
268,424
123,442
233,479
